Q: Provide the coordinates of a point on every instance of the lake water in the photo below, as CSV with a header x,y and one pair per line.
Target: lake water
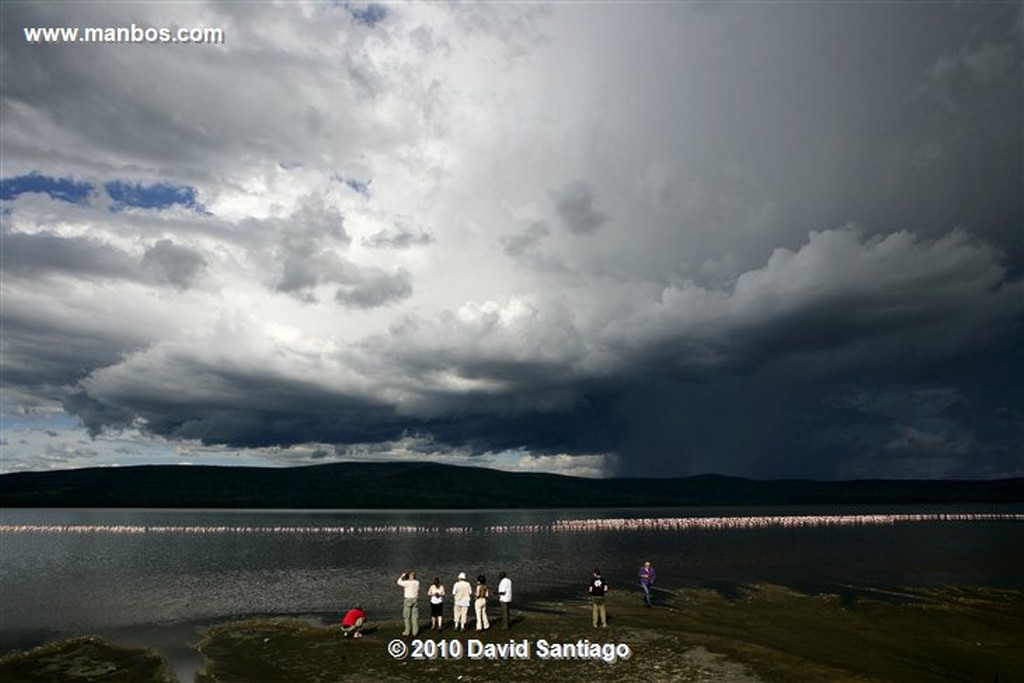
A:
x,y
159,576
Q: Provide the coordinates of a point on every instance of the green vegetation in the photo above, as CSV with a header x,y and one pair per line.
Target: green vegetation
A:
x,y
433,486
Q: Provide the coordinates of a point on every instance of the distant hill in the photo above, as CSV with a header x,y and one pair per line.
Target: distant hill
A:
x,y
434,486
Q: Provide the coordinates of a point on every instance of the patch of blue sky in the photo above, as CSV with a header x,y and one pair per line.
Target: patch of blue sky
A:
x,y
63,189
157,196
42,421
358,186
367,15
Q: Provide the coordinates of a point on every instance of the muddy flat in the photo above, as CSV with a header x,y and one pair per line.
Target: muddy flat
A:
x,y
762,633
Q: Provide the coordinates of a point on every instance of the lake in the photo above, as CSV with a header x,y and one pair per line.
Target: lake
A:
x,y
159,576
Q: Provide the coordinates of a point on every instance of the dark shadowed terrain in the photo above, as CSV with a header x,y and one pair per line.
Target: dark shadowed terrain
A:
x,y
414,485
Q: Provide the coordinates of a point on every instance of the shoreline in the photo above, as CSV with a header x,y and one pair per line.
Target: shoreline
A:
x,y
763,633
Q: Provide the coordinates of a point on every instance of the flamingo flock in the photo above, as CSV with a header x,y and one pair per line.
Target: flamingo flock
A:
x,y
214,530
770,521
668,524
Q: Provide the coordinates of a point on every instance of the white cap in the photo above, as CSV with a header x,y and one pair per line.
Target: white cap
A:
x,y
462,575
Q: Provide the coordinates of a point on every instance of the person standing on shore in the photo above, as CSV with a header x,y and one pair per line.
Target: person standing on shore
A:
x,y
410,603
462,594
482,623
647,577
436,594
597,590
505,597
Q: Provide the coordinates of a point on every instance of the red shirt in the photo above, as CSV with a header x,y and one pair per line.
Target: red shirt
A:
x,y
352,616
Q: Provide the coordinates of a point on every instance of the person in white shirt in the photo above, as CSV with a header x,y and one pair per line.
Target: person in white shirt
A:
x,y
410,607
505,597
462,593
436,594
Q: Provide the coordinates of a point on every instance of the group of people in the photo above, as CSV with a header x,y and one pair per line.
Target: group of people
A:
x,y
464,595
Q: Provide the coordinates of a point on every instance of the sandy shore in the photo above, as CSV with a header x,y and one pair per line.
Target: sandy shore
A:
x,y
763,633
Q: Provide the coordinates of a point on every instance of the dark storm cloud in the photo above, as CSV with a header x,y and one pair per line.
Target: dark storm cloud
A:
x,y
375,289
172,264
577,207
399,237
752,379
49,353
226,402
842,300
964,149
45,254
58,87
525,241
30,255
300,273
96,416
309,251
98,108
306,247
770,424
528,247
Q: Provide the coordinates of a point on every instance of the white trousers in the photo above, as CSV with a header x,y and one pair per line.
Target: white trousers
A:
x,y
481,614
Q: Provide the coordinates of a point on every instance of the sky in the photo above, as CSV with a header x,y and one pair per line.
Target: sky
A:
x,y
768,240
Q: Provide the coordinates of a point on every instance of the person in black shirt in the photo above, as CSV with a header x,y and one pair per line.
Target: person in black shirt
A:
x,y
597,590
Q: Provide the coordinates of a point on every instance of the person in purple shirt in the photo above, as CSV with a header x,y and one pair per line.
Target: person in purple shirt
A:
x,y
647,577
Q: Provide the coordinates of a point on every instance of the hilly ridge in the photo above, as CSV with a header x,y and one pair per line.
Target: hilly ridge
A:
x,y
435,486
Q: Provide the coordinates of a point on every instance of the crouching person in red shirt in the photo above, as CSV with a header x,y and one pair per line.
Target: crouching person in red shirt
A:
x,y
353,622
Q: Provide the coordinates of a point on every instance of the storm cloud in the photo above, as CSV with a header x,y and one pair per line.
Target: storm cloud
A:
x,y
598,240
577,207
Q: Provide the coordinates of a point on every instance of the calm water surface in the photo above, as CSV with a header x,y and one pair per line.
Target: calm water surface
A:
x,y
135,574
